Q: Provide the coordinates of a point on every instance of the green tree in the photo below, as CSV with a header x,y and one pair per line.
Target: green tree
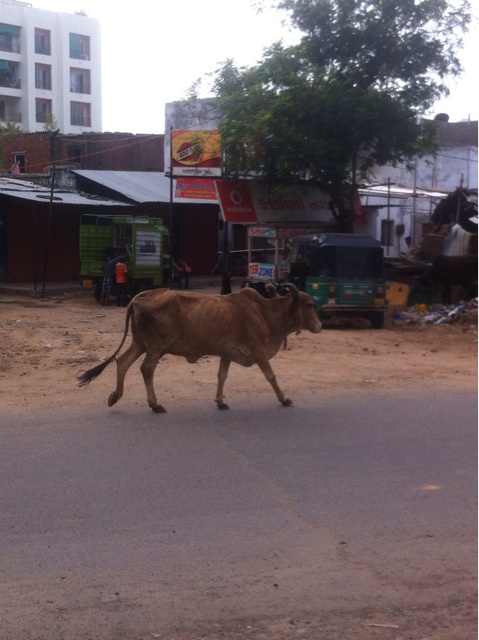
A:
x,y
50,123
351,94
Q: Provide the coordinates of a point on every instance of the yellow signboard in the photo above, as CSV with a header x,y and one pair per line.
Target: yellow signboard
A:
x,y
196,153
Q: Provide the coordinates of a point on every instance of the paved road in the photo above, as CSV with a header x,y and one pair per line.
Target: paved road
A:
x,y
201,514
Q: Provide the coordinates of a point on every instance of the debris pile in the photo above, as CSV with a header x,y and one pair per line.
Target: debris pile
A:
x,y
465,312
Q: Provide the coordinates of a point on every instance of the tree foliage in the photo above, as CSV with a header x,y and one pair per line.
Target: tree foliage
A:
x,y
50,123
404,47
350,95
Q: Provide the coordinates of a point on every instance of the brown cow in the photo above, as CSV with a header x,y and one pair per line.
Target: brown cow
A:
x,y
240,327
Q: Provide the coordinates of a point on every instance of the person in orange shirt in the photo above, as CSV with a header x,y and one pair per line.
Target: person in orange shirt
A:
x,y
182,272
121,273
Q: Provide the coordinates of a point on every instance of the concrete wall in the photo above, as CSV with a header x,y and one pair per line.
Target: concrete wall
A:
x,y
60,25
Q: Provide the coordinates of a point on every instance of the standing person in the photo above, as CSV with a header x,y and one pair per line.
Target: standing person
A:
x,y
121,273
225,263
182,271
108,269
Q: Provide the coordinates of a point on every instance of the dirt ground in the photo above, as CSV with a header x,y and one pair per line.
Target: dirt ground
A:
x,y
46,343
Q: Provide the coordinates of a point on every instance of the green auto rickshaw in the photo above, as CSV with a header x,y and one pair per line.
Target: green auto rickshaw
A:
x,y
343,273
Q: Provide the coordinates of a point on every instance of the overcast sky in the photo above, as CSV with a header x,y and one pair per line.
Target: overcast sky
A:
x,y
152,52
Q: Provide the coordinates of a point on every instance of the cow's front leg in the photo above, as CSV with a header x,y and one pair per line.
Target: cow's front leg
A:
x,y
147,369
123,363
222,375
265,367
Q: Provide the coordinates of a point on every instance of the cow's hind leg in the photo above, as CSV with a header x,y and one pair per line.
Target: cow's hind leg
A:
x,y
123,363
265,367
222,375
147,369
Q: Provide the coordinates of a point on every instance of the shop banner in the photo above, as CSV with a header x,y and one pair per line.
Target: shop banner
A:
x,y
196,153
195,188
258,202
267,271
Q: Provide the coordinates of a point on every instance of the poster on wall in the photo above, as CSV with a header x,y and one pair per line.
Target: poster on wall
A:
x,y
195,188
148,249
196,153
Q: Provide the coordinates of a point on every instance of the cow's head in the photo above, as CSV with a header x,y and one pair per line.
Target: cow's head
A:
x,y
303,309
290,289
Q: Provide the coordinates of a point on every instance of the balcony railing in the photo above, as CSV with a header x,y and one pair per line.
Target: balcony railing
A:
x,y
77,55
81,121
12,117
43,117
79,87
11,46
12,83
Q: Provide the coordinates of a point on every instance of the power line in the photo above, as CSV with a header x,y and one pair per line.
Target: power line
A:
x,y
93,153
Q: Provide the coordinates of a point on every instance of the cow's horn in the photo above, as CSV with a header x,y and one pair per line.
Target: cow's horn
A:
x,y
272,290
290,287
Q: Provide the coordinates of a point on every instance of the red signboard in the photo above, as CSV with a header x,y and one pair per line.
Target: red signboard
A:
x,y
235,201
195,188
249,201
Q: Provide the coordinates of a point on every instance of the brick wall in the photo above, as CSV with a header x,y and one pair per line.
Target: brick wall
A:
x,y
35,148
94,151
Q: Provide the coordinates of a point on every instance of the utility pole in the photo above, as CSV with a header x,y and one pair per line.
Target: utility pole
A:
x,y
50,212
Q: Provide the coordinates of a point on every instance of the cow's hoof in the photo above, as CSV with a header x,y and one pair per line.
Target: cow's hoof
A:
x,y
113,399
223,406
287,402
158,408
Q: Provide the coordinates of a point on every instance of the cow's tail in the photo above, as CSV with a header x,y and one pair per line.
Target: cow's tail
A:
x,y
87,376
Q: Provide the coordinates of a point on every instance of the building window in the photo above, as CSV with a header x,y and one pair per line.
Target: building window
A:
x,y
9,38
387,229
9,74
80,114
80,81
43,76
79,47
20,160
7,114
42,42
43,110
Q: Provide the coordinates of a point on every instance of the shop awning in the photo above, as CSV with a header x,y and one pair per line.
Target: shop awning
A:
x,y
10,29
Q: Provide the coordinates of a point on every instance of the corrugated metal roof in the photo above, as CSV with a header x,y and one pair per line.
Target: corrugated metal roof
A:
x,y
382,190
31,191
139,186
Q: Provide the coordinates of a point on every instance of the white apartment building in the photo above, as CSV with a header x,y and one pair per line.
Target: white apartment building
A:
x,y
50,69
